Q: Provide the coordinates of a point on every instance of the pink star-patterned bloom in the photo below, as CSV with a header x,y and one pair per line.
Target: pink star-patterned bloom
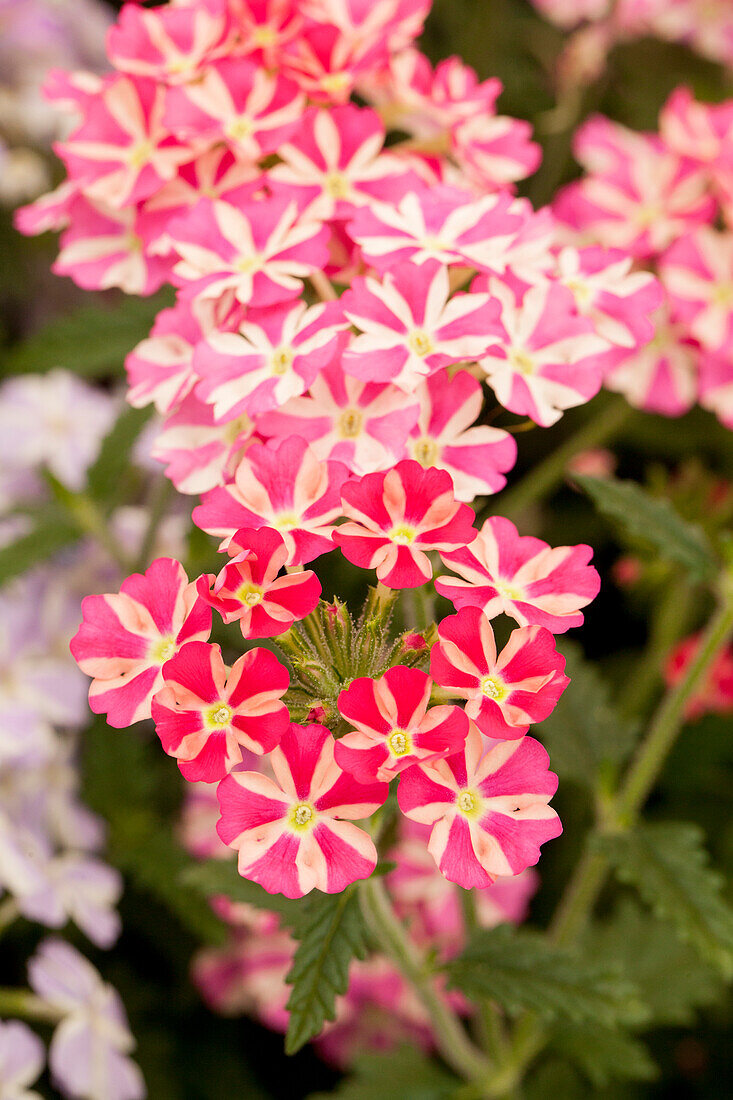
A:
x,y
362,424
504,692
126,638
295,833
638,195
393,727
103,248
495,151
250,591
238,102
697,272
121,152
206,714
700,131
160,369
521,576
411,327
169,43
489,810
442,223
549,358
662,376
285,487
260,250
335,163
199,454
326,63
399,515
274,355
716,386
475,457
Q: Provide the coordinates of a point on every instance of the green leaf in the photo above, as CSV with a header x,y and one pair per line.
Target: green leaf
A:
x,y
669,866
402,1074
51,532
220,876
584,731
603,1053
92,341
331,933
105,475
654,521
522,971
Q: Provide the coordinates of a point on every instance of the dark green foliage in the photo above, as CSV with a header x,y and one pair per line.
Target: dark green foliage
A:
x,y
403,1074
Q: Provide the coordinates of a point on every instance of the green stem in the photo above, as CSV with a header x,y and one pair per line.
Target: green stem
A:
x,y
450,1037
9,913
19,1002
159,499
489,1023
545,477
668,624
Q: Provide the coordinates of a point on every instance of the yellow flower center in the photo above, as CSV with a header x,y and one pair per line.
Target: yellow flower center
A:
x,y
337,185
239,129
247,265
399,743
251,594
492,689
140,154
287,522
420,343
350,424
163,649
336,82
469,803
521,361
264,37
425,451
403,535
282,360
302,816
219,715
723,295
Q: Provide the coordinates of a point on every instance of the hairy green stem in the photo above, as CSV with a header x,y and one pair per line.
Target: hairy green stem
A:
x,y
451,1039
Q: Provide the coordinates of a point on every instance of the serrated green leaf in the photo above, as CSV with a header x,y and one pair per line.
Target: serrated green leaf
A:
x,y
331,933
672,979
584,731
220,876
522,971
669,866
50,533
654,521
92,341
403,1074
604,1054
104,476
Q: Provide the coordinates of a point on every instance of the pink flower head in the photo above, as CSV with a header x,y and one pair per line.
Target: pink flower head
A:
x,y
660,377
715,694
274,355
495,150
700,131
198,453
48,213
393,726
505,692
326,63
285,487
250,591
638,196
362,424
399,515
441,223
411,327
697,272
335,163
295,834
239,103
261,250
716,387
169,43
206,714
126,638
548,358
475,457
521,576
489,810
122,153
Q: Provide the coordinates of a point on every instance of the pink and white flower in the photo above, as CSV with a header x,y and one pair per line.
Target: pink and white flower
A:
x,y
697,272
250,591
548,358
716,387
205,714
411,327
489,810
285,487
168,43
274,355
662,376
395,517
126,638
199,454
295,833
505,692
475,457
393,727
521,576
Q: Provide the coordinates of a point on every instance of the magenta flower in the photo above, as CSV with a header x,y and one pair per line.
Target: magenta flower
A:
x,y
489,810
697,272
294,833
393,726
126,638
662,376
365,425
411,327
274,355
260,250
199,454
399,515
521,576
716,387
504,692
206,714
475,457
285,487
169,43
250,591
548,358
